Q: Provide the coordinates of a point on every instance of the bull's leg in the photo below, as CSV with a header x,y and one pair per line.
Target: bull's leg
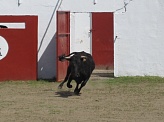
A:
x,y
76,89
69,82
61,84
82,85
65,79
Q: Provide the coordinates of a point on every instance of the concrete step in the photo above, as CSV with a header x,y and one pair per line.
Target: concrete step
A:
x,y
102,74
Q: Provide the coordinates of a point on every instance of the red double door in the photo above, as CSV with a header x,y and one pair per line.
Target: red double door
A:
x,y
102,40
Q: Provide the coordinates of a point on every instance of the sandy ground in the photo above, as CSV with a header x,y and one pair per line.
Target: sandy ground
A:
x,y
99,101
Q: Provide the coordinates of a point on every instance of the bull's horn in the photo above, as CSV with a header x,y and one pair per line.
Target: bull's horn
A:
x,y
68,57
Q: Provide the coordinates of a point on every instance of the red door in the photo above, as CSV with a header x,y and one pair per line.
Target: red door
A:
x,y
102,40
63,42
20,63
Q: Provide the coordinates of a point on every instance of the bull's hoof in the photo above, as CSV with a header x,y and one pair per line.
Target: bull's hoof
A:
x,y
60,87
77,92
69,86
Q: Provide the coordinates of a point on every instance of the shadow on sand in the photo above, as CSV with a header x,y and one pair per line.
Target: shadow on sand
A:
x,y
65,94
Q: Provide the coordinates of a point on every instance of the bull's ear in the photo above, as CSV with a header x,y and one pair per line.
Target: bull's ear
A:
x,y
84,58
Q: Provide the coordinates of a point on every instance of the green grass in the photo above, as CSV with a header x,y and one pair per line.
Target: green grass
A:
x,y
32,82
137,79
114,81
137,85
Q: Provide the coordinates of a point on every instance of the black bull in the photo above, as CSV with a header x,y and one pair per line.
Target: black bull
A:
x,y
81,65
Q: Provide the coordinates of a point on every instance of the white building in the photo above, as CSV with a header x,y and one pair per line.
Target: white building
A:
x,y
137,32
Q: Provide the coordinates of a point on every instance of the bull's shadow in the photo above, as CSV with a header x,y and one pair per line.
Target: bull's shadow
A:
x,y
65,94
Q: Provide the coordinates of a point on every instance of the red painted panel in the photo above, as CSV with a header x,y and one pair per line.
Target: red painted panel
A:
x,y
102,40
63,42
21,61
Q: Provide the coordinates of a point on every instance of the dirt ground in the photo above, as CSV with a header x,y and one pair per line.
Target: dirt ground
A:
x,y
99,101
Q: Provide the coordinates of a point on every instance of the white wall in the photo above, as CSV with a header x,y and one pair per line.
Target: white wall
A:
x,y
138,48
88,5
